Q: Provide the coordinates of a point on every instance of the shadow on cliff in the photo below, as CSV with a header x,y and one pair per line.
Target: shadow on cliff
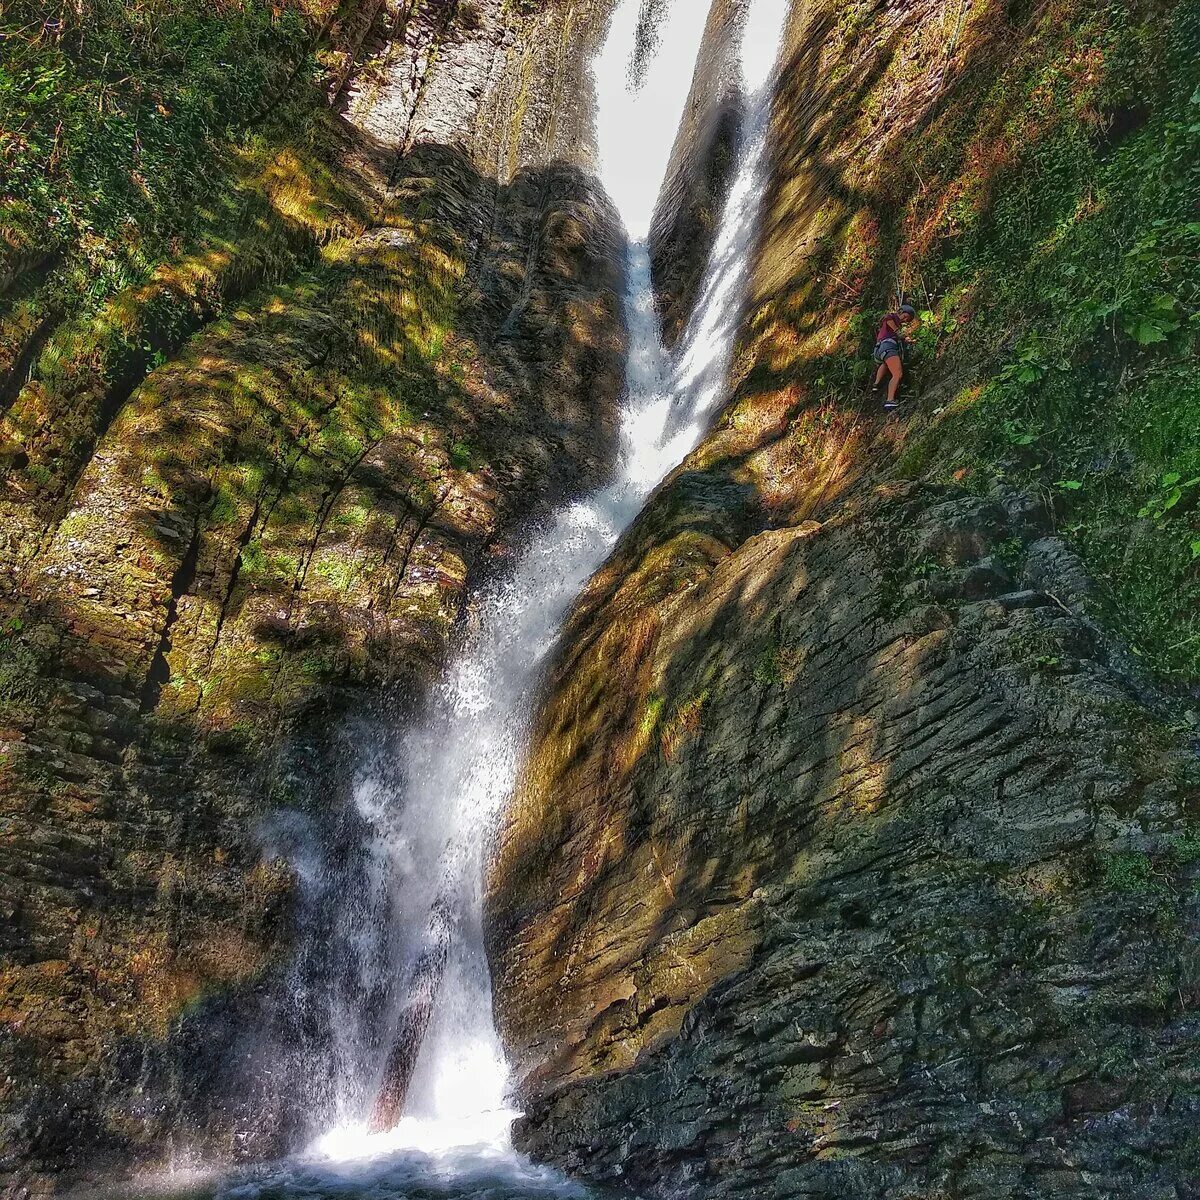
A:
x,y
174,1009
854,765
561,862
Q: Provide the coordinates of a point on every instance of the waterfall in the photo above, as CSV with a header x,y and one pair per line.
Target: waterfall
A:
x,y
440,1086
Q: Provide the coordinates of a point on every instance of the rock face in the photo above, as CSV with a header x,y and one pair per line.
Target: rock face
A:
x,y
838,903
875,873
265,494
699,173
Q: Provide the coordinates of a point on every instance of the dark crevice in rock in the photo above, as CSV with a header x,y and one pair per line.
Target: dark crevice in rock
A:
x,y
235,571
27,269
422,524
322,519
181,583
365,36
22,369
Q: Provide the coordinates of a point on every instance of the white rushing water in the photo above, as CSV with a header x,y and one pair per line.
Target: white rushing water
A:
x,y
460,761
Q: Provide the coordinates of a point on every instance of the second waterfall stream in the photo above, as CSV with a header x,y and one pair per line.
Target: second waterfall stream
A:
x,y
432,1113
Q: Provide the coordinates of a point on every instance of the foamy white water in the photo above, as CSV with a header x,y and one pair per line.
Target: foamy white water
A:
x,y
459,763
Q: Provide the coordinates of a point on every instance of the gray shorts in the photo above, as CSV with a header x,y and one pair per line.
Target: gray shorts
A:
x,y
888,348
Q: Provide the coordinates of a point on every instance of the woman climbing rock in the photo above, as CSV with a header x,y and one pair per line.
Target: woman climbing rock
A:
x,y
891,349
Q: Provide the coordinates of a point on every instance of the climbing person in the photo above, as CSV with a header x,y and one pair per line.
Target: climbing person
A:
x,y
891,349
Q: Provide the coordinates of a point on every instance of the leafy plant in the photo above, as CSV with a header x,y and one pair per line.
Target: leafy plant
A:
x,y
1172,488
1131,873
1154,323
1029,365
767,669
1017,433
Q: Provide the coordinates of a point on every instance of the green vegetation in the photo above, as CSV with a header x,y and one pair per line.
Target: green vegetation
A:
x,y
20,667
1083,274
116,115
1036,200
338,572
767,669
1132,874
463,456
1163,875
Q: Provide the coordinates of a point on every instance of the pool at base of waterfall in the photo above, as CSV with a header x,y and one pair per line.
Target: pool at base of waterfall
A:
x,y
402,1178
483,1172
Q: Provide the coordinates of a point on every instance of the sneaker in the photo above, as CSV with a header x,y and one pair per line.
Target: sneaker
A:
x,y
890,404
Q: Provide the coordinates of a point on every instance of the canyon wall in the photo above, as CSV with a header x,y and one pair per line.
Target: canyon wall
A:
x,y
858,849
857,854
699,172
245,491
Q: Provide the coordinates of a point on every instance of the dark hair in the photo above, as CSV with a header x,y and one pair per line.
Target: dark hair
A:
x,y
908,308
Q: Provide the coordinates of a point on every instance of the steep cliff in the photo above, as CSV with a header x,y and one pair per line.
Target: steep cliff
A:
x,y
875,873
857,853
699,172
277,383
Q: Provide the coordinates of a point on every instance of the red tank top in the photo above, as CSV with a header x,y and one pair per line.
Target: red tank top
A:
x,y
889,327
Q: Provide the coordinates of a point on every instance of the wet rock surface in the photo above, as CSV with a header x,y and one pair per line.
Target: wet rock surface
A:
x,y
699,173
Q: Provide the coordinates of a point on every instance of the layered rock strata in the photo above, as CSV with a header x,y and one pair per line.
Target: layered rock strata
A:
x,y
836,904
876,874
253,508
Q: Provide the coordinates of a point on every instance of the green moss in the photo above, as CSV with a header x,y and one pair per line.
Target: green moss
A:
x,y
1164,877
317,666
224,510
254,561
651,715
767,669
354,517
39,474
1185,849
20,669
152,481
337,571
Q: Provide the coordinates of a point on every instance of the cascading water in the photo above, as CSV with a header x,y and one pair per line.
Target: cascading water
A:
x,y
438,1087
